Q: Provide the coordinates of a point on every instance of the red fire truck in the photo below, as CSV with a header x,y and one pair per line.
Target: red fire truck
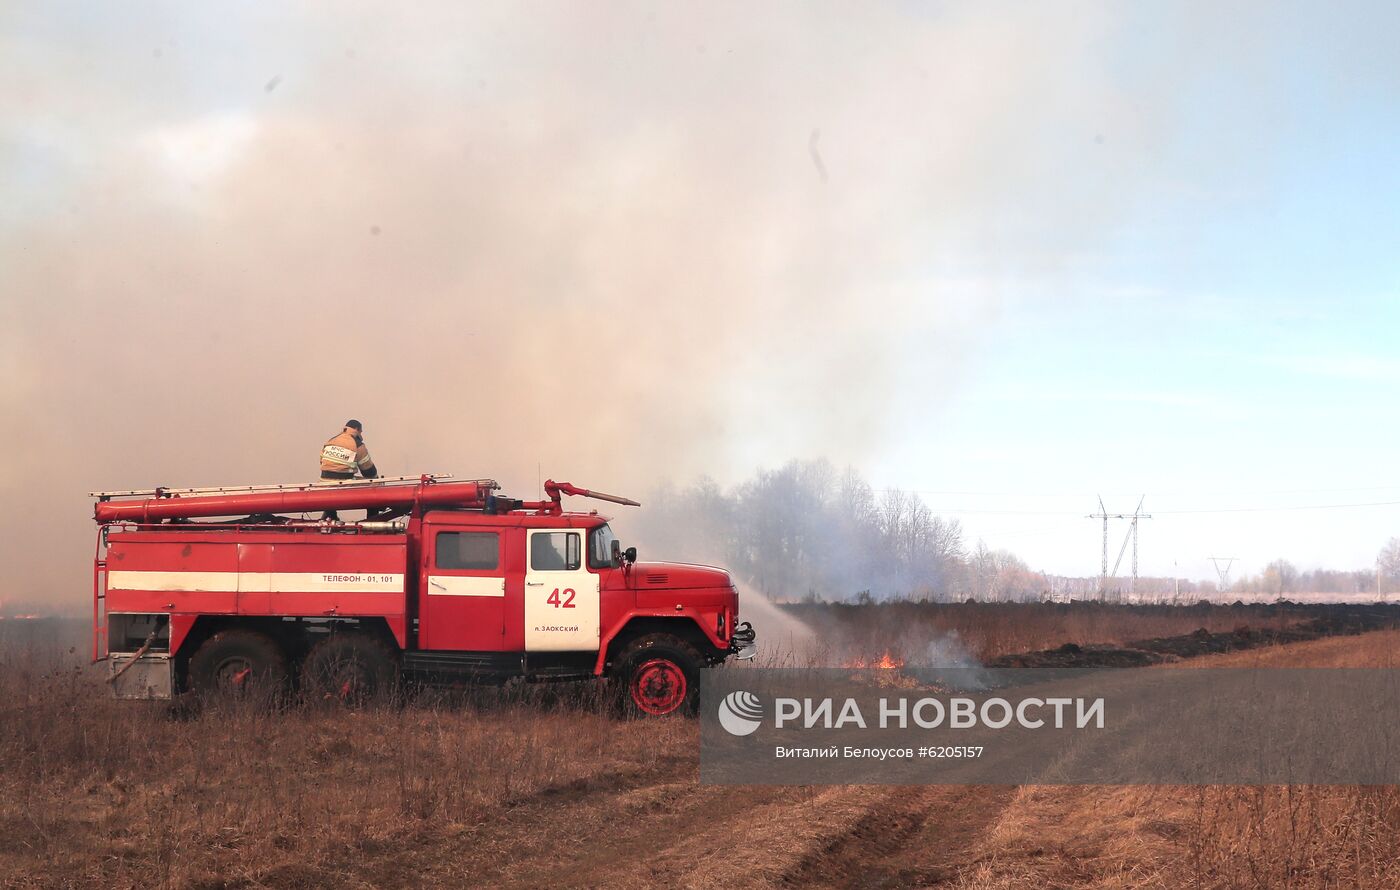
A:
x,y
243,591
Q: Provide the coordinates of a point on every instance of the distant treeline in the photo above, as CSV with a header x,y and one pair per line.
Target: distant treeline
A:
x,y
809,531
1281,578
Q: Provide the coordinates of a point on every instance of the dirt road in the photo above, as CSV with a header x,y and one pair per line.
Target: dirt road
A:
x,y
660,828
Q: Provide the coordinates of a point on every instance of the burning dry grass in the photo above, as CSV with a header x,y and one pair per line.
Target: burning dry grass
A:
x,y
885,661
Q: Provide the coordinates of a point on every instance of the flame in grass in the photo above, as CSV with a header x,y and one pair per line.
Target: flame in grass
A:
x,y
887,661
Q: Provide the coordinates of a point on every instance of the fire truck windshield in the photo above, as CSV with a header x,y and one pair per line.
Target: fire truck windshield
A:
x,y
600,547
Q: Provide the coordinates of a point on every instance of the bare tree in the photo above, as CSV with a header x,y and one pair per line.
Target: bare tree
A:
x,y
1389,559
1280,577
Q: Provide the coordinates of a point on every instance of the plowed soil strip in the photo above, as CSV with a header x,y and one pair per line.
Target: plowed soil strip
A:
x,y
918,836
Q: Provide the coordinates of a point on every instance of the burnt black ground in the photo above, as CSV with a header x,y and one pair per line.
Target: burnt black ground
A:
x,y
1328,620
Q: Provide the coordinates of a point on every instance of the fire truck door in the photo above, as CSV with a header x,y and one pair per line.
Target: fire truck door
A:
x,y
464,602
561,596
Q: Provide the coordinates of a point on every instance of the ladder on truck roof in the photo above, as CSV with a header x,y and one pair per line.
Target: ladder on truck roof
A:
x,y
404,493
379,481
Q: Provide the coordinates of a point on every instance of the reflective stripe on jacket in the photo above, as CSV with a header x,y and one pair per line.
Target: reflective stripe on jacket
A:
x,y
346,453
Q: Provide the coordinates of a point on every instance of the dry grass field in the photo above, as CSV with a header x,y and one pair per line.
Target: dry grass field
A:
x,y
1284,836
540,787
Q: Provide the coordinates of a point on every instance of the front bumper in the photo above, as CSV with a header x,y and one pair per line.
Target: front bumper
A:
x,y
741,642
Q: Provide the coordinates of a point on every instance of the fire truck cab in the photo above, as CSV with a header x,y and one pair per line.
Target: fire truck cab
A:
x,y
449,582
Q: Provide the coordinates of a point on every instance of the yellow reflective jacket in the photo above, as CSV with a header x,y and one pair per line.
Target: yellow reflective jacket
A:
x,y
346,453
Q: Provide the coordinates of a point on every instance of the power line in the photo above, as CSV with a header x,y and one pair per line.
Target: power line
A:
x,y
1028,533
964,512
956,511
1284,509
1156,494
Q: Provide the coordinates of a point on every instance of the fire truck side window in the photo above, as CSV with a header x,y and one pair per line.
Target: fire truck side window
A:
x,y
555,552
479,551
600,547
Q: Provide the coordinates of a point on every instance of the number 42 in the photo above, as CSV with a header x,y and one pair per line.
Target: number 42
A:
x,y
566,603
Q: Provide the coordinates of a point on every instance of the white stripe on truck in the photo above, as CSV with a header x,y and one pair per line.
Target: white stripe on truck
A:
x,y
273,582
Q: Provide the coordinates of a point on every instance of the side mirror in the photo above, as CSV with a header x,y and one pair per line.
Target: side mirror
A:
x,y
630,554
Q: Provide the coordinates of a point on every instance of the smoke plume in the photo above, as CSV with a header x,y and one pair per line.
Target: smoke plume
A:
x,y
604,246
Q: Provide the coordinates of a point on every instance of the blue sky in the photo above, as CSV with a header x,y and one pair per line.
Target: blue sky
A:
x,y
1205,405
1235,348
1229,343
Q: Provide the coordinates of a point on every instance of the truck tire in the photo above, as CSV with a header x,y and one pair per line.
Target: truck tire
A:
x,y
238,664
352,669
658,675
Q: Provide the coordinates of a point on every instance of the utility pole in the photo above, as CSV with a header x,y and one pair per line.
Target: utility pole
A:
x,y
1103,570
1136,515
1132,535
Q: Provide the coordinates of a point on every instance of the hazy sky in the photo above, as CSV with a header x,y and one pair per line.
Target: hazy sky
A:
x,y
1013,255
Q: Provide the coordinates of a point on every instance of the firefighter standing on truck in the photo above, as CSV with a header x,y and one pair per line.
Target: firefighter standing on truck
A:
x,y
346,453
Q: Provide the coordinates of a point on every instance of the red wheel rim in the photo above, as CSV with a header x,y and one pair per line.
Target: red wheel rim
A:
x,y
658,686
347,679
233,674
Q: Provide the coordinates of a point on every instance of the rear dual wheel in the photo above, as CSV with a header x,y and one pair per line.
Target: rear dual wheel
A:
x,y
352,669
659,674
239,665
244,665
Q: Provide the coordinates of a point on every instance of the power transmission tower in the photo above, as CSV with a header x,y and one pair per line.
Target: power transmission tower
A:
x,y
1223,571
1132,535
